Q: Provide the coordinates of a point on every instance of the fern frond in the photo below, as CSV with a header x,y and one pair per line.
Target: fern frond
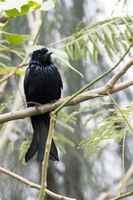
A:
x,y
112,126
114,35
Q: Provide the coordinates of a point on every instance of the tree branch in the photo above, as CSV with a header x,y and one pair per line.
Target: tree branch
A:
x,y
33,185
122,196
117,76
102,91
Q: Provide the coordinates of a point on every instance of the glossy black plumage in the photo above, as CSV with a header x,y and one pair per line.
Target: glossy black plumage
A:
x,y
42,84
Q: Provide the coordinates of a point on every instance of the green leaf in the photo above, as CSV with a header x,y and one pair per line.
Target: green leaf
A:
x,y
5,56
54,1
2,26
2,65
6,105
15,39
61,55
5,70
66,126
11,4
108,33
60,147
76,50
35,4
69,51
64,139
10,147
14,12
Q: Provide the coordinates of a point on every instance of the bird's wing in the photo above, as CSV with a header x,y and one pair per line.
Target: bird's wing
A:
x,y
60,81
26,82
58,77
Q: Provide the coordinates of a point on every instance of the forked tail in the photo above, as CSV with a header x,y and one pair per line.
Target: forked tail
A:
x,y
40,125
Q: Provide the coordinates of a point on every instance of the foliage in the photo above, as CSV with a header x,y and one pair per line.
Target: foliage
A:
x,y
20,7
111,36
112,126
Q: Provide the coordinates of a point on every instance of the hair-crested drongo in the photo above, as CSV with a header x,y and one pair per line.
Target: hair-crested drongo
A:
x,y
42,84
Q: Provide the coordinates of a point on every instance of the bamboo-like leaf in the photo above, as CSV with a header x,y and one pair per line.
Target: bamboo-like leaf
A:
x,y
6,70
115,43
112,127
76,51
10,147
5,57
61,55
64,139
65,126
108,40
112,34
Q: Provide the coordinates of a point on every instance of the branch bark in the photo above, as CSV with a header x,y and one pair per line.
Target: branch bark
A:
x,y
99,92
118,75
122,196
33,185
102,91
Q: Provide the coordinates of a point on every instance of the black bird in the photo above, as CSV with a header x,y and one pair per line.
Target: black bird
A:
x,y
42,84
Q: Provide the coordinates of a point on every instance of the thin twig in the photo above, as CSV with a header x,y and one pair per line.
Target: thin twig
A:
x,y
33,185
19,54
123,146
46,156
122,196
123,115
111,194
23,64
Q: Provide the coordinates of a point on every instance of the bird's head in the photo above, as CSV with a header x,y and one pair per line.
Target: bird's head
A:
x,y
43,56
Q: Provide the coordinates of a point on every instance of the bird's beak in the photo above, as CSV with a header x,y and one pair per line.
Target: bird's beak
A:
x,y
47,55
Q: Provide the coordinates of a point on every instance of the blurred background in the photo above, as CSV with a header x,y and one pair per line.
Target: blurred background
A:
x,y
98,176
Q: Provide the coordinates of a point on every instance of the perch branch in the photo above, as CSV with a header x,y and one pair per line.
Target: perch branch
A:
x,y
99,92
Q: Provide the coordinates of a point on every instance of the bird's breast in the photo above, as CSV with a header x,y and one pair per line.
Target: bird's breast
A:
x,y
43,86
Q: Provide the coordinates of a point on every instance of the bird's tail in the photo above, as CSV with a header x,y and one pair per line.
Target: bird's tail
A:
x,y
40,125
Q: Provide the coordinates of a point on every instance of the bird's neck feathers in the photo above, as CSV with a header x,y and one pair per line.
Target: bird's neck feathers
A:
x,y
41,62
41,57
